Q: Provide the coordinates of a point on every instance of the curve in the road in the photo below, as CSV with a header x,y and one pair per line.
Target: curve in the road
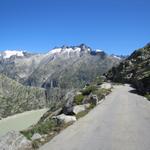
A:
x,y
121,122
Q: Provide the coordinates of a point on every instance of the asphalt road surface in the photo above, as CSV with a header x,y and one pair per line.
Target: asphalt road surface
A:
x,y
120,122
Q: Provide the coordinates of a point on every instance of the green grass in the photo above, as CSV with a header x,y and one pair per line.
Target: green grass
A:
x,y
88,90
101,93
81,114
42,128
53,126
99,80
78,99
147,96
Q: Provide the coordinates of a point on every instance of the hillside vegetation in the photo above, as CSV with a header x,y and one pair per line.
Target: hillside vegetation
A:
x,y
16,98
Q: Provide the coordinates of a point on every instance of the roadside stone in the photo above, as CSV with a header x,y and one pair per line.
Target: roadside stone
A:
x,y
42,140
78,108
106,86
14,140
52,133
87,105
65,118
36,136
93,99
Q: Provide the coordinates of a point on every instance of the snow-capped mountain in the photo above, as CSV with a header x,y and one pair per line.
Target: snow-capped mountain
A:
x,y
9,53
36,69
69,50
58,71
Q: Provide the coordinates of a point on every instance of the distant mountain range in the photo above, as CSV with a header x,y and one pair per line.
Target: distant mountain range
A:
x,y
57,72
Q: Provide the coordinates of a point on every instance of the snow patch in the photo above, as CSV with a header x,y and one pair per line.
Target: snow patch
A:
x,y
9,53
64,50
98,50
117,57
54,51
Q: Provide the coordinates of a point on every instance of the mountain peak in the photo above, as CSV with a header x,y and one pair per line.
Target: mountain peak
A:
x,y
70,49
84,46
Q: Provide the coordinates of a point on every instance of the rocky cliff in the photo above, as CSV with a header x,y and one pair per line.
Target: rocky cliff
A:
x,y
135,70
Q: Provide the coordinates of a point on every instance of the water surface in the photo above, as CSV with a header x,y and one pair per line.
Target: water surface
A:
x,y
20,121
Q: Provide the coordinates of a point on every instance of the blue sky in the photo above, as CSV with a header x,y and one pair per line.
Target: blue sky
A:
x,y
116,26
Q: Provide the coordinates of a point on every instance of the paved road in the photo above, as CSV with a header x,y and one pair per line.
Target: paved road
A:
x,y
121,122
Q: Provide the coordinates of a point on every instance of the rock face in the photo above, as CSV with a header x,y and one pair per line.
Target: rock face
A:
x,y
14,141
135,69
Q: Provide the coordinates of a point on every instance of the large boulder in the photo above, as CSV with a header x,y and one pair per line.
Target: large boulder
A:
x,y
68,107
49,114
106,86
36,136
14,140
78,108
93,99
65,118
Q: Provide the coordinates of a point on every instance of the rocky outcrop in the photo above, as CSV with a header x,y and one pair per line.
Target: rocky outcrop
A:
x,y
135,70
92,99
13,140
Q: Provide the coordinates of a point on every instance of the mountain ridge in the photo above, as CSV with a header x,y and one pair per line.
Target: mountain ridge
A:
x,y
57,72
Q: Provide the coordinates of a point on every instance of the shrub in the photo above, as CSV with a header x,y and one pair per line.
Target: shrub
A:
x,y
41,128
81,114
78,99
88,90
99,80
147,96
101,93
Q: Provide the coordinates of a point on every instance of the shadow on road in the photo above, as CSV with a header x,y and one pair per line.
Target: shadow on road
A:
x,y
134,91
